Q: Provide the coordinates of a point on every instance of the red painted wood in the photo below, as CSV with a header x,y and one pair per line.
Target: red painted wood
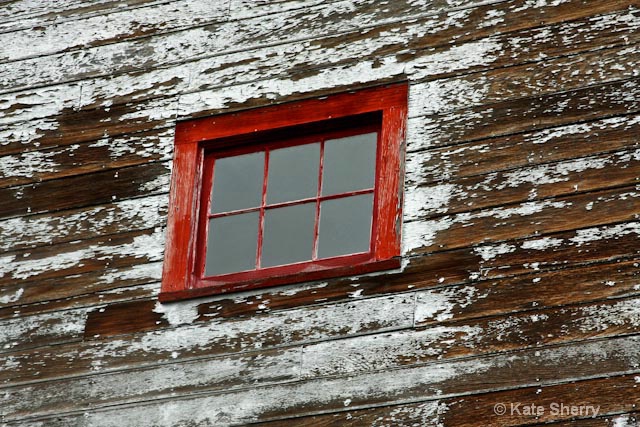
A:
x,y
183,275
291,114
281,280
181,222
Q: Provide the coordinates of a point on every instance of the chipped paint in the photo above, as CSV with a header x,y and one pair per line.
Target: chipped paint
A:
x,y
12,297
148,247
542,244
272,52
423,233
439,305
489,252
126,215
601,318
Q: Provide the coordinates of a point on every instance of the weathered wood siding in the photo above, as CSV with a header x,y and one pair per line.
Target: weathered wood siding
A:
x,y
521,249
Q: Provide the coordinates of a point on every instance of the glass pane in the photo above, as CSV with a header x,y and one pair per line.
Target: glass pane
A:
x,y
345,226
293,173
237,182
232,244
288,234
349,164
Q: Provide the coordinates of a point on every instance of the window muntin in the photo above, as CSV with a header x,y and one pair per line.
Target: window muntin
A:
x,y
304,215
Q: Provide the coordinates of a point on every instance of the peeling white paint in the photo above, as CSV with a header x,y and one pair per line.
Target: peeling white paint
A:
x,y
126,215
427,201
489,252
423,233
542,244
600,318
439,304
588,235
50,327
13,297
148,247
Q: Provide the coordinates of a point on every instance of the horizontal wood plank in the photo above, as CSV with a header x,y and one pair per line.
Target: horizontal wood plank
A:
x,y
99,255
583,174
428,382
478,410
42,330
85,190
531,291
213,374
77,159
131,215
113,280
520,150
212,338
150,84
37,14
219,38
520,220
122,292
115,26
524,115
463,301
471,337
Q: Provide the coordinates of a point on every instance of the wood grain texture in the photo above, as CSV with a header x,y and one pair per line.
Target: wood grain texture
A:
x,y
185,341
85,190
465,300
519,279
250,32
116,26
520,150
77,159
521,220
428,382
477,410
85,223
274,63
582,174
98,255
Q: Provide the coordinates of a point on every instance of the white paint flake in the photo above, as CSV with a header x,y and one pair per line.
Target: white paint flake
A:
x,y
149,247
467,55
601,318
11,298
439,304
489,252
178,313
427,201
586,236
542,244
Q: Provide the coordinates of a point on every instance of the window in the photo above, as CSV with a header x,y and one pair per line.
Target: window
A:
x,y
289,193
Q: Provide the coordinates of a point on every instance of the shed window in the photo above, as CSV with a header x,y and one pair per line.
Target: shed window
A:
x,y
286,194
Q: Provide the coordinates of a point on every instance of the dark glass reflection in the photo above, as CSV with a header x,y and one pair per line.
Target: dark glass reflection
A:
x,y
293,173
349,164
288,234
237,182
232,244
345,226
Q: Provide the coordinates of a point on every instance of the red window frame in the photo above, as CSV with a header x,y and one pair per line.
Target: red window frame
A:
x,y
199,141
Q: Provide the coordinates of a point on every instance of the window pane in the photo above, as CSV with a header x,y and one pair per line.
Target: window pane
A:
x,y
345,226
237,182
293,173
232,244
349,164
288,234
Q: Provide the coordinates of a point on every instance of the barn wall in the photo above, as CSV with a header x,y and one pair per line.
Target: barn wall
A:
x,y
521,219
